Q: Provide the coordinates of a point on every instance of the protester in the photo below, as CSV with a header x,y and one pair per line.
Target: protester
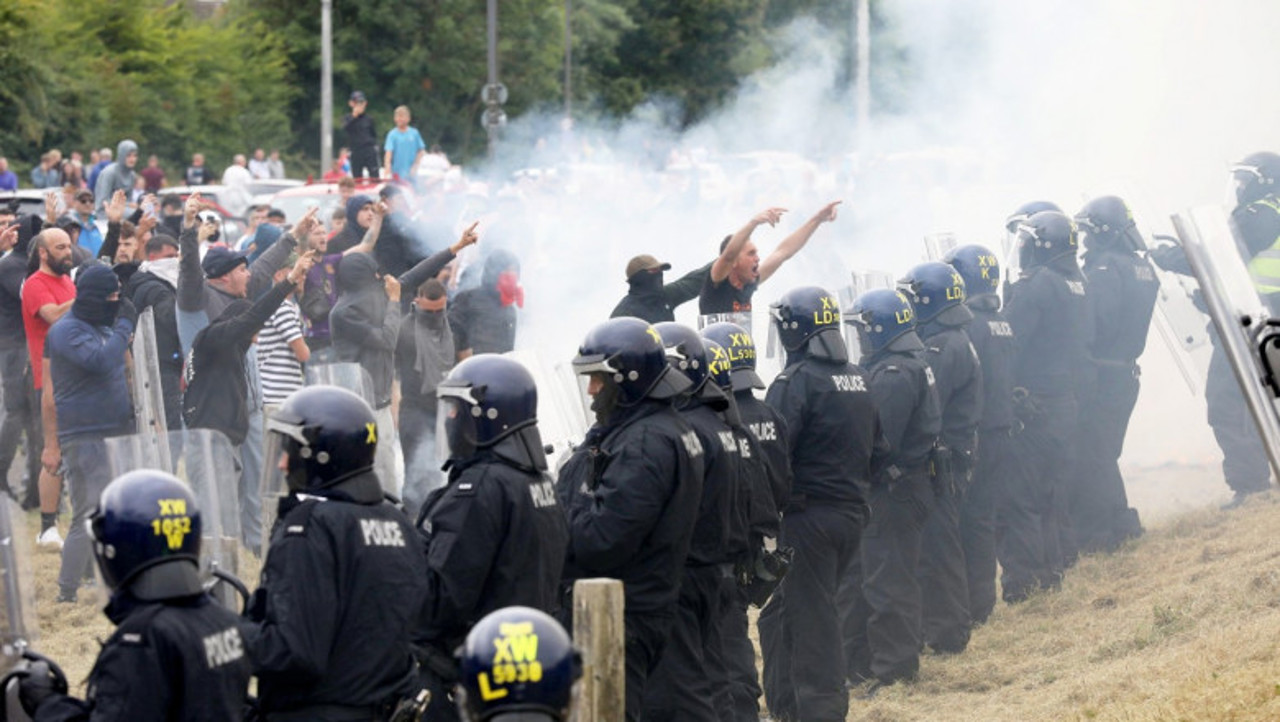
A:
x,y
118,176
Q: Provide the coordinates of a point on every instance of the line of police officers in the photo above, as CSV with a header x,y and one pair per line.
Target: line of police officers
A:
x,y
863,505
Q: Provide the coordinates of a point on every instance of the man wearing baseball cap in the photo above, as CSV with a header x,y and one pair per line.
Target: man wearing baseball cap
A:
x,y
362,138
651,300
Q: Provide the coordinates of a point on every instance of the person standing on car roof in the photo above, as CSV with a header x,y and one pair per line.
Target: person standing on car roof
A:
x,y
362,137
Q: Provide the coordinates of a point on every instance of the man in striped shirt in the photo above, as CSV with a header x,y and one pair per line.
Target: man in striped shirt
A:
x,y
282,349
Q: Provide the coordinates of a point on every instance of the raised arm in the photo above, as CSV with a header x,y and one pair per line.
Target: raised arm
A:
x,y
792,244
720,268
370,240
427,268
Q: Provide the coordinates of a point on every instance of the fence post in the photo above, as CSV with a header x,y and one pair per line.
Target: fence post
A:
x,y
599,633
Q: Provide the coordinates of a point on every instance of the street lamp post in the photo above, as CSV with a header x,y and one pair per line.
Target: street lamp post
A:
x,y
326,85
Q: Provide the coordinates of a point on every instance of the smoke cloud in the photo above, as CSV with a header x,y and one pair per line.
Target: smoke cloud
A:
x,y
1004,102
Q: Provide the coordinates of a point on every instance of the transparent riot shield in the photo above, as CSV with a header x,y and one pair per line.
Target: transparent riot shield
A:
x,y
562,420
1239,314
742,318
937,245
389,463
148,395
205,460
18,624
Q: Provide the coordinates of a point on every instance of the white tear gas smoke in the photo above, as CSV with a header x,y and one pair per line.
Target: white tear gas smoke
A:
x,y
1006,101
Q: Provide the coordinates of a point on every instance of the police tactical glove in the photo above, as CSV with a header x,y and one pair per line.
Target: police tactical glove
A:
x,y
38,683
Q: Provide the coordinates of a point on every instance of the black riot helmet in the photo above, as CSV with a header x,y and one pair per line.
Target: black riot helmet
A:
x,y
979,268
932,288
718,365
1044,237
1025,211
628,355
517,664
490,401
1256,176
146,535
685,352
881,316
808,320
1107,222
741,350
329,435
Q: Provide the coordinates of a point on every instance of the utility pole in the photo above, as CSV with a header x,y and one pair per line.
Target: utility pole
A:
x,y
494,93
568,59
326,85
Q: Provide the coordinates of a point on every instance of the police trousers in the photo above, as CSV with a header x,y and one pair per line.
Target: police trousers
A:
x,y
1244,460
943,577
978,521
1100,515
881,595
804,670
690,675
1033,518
743,701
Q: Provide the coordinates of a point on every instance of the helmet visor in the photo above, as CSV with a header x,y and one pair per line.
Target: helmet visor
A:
x,y
455,428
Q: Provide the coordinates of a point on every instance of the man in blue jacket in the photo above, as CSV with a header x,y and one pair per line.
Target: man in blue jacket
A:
x,y
86,350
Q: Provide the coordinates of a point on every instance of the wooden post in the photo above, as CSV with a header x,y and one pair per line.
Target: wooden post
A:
x,y
600,634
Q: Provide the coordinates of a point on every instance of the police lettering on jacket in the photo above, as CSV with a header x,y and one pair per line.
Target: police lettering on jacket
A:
x,y
223,648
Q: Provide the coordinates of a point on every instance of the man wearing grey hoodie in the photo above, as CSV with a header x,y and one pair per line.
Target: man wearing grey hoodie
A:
x,y
118,176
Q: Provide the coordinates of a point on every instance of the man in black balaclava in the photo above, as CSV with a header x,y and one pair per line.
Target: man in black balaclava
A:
x,y
648,298
86,351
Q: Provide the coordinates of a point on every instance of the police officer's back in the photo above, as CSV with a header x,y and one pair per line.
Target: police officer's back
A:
x,y
833,433
495,534
882,631
690,675
992,339
176,654
344,577
1049,315
631,489
1122,295
937,294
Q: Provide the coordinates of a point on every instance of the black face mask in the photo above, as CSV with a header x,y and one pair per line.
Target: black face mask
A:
x,y
97,313
645,281
605,402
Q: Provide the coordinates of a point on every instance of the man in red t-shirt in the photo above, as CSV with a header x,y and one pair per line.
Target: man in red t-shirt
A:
x,y
46,295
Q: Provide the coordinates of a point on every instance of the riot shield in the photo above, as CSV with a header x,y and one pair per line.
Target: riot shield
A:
x,y
148,395
562,421
18,624
205,460
937,245
1239,314
389,463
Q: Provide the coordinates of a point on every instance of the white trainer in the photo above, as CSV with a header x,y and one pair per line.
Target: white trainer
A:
x,y
50,538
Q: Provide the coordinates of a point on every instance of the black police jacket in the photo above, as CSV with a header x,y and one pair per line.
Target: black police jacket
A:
x,y
1049,313
832,429
992,338
903,387
957,376
495,537
176,659
769,431
341,591
1122,296
631,492
720,486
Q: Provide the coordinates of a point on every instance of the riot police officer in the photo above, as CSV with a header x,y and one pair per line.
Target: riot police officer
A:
x,y
691,675
882,625
937,294
631,489
992,339
833,432
1254,221
344,577
495,534
1015,219
1048,312
1122,296
176,654
517,665
767,470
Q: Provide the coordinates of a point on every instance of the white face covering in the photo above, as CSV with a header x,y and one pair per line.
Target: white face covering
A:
x,y
165,268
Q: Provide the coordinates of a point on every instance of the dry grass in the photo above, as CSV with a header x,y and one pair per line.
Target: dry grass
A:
x,y
1181,625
